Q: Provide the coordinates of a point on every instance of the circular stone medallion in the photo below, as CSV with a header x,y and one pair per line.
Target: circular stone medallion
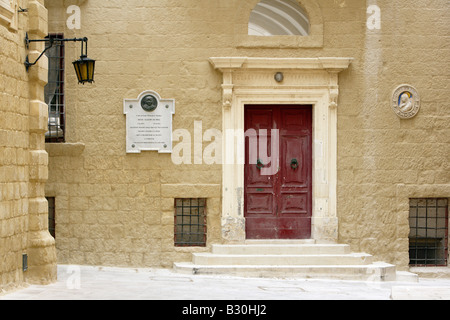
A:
x,y
406,102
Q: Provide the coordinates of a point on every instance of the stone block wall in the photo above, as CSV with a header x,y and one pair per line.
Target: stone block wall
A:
x,y
23,160
14,168
117,209
384,160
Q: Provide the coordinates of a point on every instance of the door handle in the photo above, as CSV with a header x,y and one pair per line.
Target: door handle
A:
x,y
294,164
259,164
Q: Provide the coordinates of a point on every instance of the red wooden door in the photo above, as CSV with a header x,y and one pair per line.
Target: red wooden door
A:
x,y
278,205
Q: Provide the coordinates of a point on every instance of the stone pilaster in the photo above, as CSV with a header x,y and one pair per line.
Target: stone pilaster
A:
x,y
41,245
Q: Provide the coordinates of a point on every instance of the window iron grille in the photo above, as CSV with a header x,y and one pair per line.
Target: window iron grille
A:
x,y
54,91
428,239
190,222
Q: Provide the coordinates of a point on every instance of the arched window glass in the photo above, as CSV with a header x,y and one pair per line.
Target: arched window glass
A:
x,y
277,18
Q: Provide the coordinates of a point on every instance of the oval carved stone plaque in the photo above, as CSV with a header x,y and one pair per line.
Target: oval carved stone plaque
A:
x,y
406,102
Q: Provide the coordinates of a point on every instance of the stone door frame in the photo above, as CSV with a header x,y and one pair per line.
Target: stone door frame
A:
x,y
306,81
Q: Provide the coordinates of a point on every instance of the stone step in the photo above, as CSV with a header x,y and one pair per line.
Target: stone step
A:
x,y
281,249
289,258
371,272
285,259
280,241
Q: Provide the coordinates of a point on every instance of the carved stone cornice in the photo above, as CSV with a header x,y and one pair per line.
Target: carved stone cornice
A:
x,y
7,12
322,63
248,71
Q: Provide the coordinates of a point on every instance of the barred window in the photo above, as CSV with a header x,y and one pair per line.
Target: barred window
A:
x,y
428,239
54,91
51,216
190,222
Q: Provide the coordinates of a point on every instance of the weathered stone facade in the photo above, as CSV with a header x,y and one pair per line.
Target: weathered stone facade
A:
x,y
23,159
114,208
117,209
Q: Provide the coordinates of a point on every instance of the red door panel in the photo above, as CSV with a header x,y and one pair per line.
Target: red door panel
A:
x,y
278,206
293,170
294,203
260,203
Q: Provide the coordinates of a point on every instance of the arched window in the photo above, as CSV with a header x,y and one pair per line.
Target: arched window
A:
x,y
277,18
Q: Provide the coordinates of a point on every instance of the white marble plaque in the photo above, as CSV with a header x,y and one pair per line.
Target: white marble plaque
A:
x,y
149,123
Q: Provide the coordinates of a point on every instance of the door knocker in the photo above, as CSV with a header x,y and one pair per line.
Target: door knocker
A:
x,y
294,164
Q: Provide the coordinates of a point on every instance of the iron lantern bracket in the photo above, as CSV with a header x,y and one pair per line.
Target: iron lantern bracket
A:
x,y
51,41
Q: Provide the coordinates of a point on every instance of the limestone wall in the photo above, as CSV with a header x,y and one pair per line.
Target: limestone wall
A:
x,y
383,160
23,160
117,209
14,138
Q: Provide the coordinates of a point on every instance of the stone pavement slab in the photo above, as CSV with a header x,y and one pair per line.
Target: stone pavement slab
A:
x,y
105,283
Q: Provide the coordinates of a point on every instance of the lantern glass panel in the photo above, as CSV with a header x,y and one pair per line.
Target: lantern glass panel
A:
x,y
84,68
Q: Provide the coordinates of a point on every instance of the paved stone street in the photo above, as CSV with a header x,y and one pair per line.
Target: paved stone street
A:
x,y
99,283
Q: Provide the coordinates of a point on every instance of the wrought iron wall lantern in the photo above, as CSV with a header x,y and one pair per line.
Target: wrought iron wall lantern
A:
x,y
84,67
